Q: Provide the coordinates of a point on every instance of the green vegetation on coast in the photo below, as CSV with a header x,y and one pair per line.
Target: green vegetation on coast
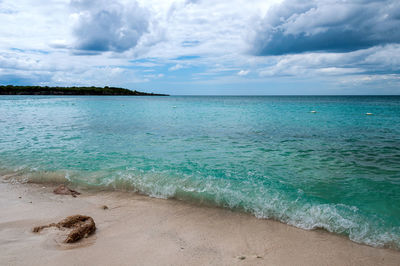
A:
x,y
45,90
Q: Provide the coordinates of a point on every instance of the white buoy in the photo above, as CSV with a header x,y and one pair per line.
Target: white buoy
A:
x,y
174,106
369,113
313,112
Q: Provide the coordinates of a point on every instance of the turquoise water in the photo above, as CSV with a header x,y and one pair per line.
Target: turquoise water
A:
x,y
336,169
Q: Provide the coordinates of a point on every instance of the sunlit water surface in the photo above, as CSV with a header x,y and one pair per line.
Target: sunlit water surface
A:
x,y
337,169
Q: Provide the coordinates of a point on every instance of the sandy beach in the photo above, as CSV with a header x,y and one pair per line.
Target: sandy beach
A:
x,y
139,230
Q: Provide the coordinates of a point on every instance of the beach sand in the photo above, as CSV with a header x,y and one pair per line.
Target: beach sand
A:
x,y
140,230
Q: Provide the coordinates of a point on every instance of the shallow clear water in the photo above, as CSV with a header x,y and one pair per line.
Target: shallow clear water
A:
x,y
337,169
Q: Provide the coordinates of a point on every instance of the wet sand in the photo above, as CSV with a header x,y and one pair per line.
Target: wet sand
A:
x,y
139,230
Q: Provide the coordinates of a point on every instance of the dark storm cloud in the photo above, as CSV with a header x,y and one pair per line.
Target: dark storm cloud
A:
x,y
108,25
327,25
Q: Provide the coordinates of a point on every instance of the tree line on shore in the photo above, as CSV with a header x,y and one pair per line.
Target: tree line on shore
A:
x,y
45,90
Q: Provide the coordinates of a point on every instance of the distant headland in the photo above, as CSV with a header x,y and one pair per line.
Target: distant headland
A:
x,y
45,90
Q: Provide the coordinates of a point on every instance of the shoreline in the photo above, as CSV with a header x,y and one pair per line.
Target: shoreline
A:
x,y
72,91
137,229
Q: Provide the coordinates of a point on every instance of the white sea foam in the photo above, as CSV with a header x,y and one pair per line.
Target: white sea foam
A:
x,y
265,203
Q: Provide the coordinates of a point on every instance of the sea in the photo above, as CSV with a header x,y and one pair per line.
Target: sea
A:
x,y
313,162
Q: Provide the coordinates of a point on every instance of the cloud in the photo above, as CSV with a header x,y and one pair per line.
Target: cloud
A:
x,y
243,72
373,61
108,26
175,67
154,76
327,25
327,43
59,44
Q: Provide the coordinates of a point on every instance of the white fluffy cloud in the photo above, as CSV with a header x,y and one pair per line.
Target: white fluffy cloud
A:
x,y
108,26
243,72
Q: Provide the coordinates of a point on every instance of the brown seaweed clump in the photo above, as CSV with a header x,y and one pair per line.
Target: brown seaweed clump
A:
x,y
64,190
82,226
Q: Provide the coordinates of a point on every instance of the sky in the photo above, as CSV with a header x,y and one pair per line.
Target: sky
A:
x,y
204,47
